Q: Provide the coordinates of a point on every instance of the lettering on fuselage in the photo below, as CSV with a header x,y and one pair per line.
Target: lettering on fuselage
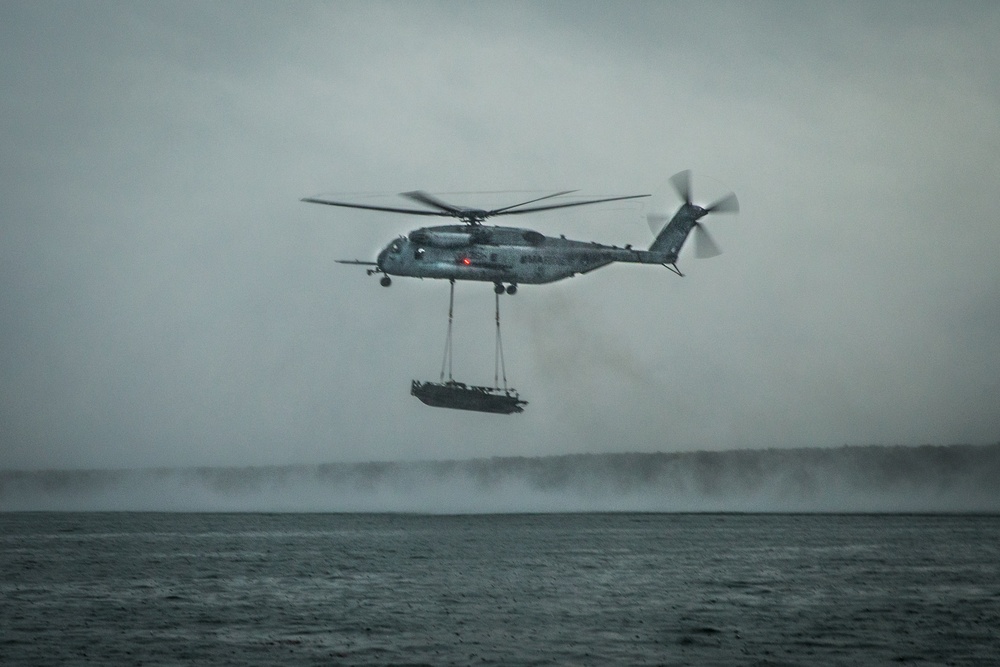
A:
x,y
568,258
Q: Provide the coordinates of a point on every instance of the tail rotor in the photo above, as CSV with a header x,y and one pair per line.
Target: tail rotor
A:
x,y
705,245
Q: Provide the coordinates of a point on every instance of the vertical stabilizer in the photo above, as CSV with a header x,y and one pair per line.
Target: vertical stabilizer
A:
x,y
671,238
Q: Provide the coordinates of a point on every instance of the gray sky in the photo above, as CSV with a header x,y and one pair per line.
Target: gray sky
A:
x,y
165,299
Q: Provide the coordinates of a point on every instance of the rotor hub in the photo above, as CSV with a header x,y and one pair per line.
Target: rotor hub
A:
x,y
474,216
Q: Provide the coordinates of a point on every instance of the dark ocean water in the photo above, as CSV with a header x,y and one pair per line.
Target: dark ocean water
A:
x,y
601,589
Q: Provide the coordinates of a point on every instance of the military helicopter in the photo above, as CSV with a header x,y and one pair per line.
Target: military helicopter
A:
x,y
518,256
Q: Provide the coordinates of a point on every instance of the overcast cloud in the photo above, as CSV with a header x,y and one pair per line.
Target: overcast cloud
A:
x,y
166,299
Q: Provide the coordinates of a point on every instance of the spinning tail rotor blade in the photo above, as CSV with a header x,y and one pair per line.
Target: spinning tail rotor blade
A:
x,y
682,184
727,204
705,246
656,221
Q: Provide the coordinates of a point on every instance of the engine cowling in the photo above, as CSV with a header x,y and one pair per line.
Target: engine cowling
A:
x,y
436,238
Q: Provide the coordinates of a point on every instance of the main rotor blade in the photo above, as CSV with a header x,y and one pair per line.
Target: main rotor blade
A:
x,y
705,246
448,210
728,204
682,184
433,202
369,207
567,205
498,211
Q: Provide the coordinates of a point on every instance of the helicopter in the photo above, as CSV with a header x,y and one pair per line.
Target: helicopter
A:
x,y
516,256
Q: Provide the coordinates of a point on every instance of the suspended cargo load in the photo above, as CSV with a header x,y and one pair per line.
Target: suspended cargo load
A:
x,y
459,396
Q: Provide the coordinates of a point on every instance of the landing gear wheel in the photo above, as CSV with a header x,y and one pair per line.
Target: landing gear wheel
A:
x,y
498,288
385,281
512,289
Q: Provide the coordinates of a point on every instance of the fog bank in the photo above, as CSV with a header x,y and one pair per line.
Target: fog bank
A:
x,y
958,478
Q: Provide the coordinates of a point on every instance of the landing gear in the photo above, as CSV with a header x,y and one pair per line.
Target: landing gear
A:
x,y
512,289
500,289
385,281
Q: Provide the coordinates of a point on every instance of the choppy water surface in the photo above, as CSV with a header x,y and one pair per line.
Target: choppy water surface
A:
x,y
214,589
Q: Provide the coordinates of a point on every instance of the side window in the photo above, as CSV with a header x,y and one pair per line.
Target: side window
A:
x,y
418,253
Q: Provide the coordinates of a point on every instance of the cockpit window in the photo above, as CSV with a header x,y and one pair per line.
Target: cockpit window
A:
x,y
395,247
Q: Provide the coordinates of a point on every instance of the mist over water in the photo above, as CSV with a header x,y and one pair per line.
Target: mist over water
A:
x,y
960,478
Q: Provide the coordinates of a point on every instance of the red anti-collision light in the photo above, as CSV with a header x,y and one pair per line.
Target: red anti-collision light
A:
x,y
466,261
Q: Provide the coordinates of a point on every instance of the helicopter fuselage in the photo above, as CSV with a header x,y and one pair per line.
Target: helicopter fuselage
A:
x,y
501,255
476,251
